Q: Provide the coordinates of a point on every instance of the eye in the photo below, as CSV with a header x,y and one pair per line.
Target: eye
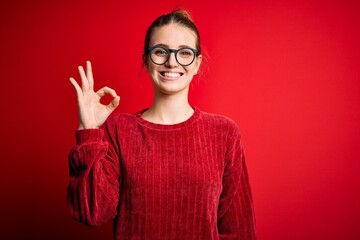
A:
x,y
185,53
159,52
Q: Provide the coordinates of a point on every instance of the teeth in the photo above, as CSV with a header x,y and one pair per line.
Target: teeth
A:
x,y
171,74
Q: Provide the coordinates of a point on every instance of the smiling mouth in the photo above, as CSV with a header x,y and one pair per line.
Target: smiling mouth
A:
x,y
171,74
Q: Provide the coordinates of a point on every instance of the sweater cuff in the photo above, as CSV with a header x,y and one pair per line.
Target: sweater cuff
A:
x,y
89,135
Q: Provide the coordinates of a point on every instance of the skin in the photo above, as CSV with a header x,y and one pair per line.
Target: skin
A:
x,y
92,113
171,104
171,83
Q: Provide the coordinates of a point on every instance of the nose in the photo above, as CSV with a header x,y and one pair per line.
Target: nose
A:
x,y
171,62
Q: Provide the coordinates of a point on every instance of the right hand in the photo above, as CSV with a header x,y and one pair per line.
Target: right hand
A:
x,y
92,113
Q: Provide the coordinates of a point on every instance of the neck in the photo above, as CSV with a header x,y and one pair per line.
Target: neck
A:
x,y
169,109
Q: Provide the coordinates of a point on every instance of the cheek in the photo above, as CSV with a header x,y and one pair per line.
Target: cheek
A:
x,y
152,71
192,70
149,67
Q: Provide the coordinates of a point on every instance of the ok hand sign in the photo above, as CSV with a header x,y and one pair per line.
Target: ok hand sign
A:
x,y
92,113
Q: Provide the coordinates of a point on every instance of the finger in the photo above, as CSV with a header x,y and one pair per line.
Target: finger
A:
x,y
114,103
89,74
106,90
76,86
84,80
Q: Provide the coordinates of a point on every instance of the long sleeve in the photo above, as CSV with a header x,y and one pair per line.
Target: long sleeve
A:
x,y
180,181
236,218
93,190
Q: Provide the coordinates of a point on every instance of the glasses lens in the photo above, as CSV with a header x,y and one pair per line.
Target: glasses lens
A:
x,y
185,56
159,55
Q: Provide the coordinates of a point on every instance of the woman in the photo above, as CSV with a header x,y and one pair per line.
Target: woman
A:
x,y
167,172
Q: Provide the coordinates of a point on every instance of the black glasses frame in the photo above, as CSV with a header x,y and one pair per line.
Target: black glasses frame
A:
x,y
175,51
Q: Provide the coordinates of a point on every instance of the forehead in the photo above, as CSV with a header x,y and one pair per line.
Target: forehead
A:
x,y
173,35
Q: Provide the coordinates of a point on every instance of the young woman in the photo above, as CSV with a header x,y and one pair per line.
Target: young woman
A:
x,y
170,171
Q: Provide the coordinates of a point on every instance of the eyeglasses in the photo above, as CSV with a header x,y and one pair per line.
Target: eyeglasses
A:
x,y
160,55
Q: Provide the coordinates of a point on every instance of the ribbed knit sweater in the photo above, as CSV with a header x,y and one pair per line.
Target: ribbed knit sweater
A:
x,y
181,181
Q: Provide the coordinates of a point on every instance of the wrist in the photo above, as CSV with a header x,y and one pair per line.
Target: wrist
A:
x,y
82,127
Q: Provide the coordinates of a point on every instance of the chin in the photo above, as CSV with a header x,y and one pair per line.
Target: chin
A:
x,y
172,90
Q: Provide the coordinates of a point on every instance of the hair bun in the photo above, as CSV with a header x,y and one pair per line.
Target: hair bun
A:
x,y
182,13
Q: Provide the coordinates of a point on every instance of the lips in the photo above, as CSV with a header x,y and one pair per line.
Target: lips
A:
x,y
171,74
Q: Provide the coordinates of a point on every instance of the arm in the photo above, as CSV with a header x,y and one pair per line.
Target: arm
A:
x,y
236,218
93,191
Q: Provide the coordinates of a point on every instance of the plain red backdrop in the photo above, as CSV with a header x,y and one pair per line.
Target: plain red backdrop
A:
x,y
286,72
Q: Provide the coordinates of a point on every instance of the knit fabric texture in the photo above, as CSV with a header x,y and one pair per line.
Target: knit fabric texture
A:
x,y
180,181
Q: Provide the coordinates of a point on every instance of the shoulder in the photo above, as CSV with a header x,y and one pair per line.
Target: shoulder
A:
x,y
219,121
116,117
120,119
224,128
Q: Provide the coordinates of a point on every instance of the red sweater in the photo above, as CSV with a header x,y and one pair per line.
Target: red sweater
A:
x,y
181,181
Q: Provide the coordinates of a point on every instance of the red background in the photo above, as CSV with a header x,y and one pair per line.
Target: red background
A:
x,y
286,72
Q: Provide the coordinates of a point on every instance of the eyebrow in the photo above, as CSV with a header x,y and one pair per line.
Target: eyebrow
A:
x,y
167,46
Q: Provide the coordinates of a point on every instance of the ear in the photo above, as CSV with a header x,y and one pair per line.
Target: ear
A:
x,y
198,61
